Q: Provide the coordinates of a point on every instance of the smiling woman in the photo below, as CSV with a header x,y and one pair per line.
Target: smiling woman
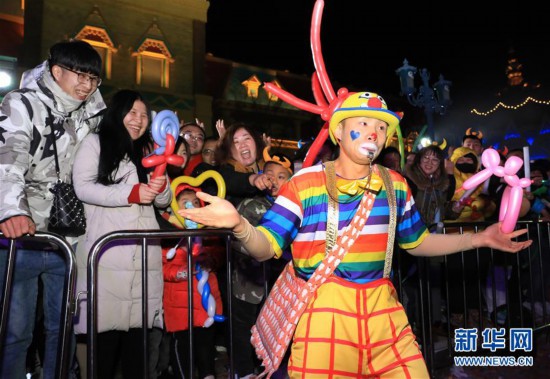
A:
x,y
241,163
240,154
118,194
431,187
137,120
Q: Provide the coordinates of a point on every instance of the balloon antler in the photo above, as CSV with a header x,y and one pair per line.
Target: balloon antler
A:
x,y
318,61
323,92
165,129
320,98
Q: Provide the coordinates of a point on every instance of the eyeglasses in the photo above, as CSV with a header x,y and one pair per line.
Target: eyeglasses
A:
x,y
427,159
192,137
83,77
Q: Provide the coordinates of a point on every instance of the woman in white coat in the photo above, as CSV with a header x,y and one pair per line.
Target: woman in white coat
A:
x,y
118,194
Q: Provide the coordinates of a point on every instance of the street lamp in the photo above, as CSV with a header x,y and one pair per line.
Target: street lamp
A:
x,y
432,99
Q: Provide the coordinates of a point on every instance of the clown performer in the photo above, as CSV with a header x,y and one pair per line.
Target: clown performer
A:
x,y
355,311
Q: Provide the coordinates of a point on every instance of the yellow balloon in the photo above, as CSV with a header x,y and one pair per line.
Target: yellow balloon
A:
x,y
195,182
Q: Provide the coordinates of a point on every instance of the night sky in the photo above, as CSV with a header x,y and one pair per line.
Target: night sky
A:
x,y
364,42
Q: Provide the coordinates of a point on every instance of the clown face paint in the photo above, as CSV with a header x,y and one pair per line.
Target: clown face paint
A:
x,y
361,138
369,150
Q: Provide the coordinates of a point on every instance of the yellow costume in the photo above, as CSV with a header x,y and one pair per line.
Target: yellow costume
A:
x,y
477,207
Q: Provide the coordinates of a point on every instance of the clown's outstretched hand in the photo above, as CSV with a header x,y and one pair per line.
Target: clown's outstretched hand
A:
x,y
219,213
495,238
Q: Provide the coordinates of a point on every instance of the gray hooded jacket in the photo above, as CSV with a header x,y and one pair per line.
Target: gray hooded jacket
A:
x,y
27,166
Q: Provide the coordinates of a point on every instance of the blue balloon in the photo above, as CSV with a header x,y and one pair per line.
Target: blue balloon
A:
x,y
165,122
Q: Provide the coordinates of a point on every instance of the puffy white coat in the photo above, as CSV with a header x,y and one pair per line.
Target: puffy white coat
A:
x,y
119,276
27,166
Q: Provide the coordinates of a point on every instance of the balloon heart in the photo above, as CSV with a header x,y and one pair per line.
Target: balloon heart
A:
x,y
195,182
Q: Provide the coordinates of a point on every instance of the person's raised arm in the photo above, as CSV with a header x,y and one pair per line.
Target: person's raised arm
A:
x,y
220,127
220,213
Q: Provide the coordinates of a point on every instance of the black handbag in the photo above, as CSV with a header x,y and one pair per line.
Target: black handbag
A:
x,y
67,213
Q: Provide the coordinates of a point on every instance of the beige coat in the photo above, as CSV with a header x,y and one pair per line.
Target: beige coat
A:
x,y
119,277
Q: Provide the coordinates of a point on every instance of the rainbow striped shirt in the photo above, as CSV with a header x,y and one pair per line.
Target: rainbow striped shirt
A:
x,y
299,216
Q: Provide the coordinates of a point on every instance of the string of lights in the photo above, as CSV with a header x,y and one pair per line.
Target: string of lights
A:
x,y
513,107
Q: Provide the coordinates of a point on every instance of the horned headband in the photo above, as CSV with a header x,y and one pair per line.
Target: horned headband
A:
x,y
473,134
283,162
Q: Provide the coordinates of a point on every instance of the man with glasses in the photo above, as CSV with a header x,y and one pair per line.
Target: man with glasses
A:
x,y
194,135
58,99
95,81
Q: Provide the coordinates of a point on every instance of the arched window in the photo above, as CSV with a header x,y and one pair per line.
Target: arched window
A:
x,y
153,64
100,40
271,96
252,84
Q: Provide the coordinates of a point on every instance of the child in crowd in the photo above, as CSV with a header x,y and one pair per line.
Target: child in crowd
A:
x,y
208,163
183,150
248,277
176,301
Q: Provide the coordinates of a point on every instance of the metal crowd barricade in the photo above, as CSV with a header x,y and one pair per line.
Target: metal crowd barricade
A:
x,y
144,236
509,290
524,288
63,353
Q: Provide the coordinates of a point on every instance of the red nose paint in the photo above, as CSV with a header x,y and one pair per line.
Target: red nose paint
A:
x,y
373,136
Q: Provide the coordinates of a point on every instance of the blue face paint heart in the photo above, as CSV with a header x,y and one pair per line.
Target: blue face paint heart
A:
x,y
354,135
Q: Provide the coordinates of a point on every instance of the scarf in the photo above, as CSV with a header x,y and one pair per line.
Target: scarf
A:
x,y
256,167
431,195
422,182
67,102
